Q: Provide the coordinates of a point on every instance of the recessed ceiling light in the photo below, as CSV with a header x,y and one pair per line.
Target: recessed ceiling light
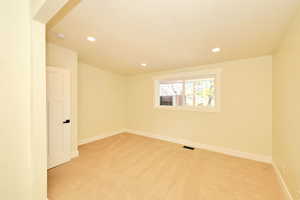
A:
x,y
144,64
91,39
216,50
61,36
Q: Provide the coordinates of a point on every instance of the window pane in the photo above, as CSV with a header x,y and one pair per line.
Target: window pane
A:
x,y
166,100
171,93
205,92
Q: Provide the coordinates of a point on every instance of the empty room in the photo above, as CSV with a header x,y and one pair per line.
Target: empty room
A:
x,y
150,100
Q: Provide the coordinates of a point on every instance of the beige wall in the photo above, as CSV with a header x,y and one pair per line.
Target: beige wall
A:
x,y
58,56
38,112
36,5
245,120
101,102
15,71
286,108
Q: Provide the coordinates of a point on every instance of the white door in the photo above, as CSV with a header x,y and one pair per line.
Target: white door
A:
x,y
58,113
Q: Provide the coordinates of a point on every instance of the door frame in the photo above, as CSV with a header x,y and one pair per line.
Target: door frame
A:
x,y
42,11
67,95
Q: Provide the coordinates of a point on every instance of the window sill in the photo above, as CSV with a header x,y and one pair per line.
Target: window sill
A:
x,y
185,108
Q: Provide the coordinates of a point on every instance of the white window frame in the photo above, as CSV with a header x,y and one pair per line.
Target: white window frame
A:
x,y
189,75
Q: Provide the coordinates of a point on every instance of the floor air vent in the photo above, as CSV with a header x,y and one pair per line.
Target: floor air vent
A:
x,y
189,148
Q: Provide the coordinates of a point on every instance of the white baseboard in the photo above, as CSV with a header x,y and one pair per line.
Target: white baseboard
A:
x,y
282,183
99,137
250,156
75,154
260,158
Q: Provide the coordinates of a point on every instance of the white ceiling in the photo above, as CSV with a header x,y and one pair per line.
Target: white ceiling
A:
x,y
172,33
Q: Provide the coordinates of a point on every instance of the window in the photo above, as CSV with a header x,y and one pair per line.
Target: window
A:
x,y
192,91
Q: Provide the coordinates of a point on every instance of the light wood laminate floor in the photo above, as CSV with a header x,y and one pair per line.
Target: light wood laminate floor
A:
x,y
131,167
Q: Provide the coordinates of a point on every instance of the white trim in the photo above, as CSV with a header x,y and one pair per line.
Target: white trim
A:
x,y
74,154
282,183
187,108
186,75
235,153
99,137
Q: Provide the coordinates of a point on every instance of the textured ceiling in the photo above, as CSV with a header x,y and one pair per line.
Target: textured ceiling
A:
x,y
168,34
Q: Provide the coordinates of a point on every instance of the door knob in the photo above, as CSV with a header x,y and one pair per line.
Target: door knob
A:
x,y
67,121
